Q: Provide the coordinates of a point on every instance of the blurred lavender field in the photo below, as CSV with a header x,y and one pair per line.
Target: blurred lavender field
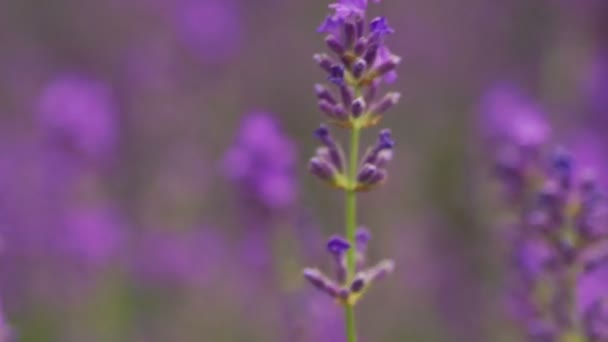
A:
x,y
153,182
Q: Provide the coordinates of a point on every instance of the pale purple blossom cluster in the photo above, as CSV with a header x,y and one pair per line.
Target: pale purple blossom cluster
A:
x,y
558,234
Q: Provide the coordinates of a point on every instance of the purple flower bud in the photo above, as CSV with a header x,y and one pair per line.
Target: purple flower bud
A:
x,y
362,237
321,282
359,68
324,61
357,285
370,95
388,101
358,107
378,178
331,24
337,245
367,172
324,94
360,46
322,168
349,34
381,153
347,95
379,27
335,45
381,270
328,108
387,65
563,167
335,151
360,27
385,139
337,75
371,54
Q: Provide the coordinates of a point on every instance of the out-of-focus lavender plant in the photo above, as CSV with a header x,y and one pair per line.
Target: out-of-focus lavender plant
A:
x,y
361,62
558,232
261,164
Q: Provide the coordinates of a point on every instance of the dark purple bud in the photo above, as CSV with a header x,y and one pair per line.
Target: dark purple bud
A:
x,y
324,61
360,46
382,152
358,107
336,75
357,285
322,168
367,173
335,151
371,54
340,112
359,68
385,139
322,133
327,108
347,95
324,94
334,44
388,101
337,245
349,34
378,177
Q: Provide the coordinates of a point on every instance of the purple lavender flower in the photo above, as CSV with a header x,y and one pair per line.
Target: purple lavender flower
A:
x,y
81,114
262,162
210,28
93,236
557,253
515,129
361,63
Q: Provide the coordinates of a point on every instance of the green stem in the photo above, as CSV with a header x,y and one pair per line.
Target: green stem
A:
x,y
351,226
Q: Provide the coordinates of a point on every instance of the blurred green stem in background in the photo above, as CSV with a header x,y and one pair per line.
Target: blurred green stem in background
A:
x,y
351,226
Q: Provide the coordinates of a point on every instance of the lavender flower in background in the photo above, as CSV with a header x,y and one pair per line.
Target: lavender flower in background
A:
x,y
92,236
516,130
210,28
558,248
361,62
80,113
262,163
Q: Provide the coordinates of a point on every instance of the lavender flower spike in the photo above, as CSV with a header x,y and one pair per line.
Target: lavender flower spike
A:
x,y
361,62
559,250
